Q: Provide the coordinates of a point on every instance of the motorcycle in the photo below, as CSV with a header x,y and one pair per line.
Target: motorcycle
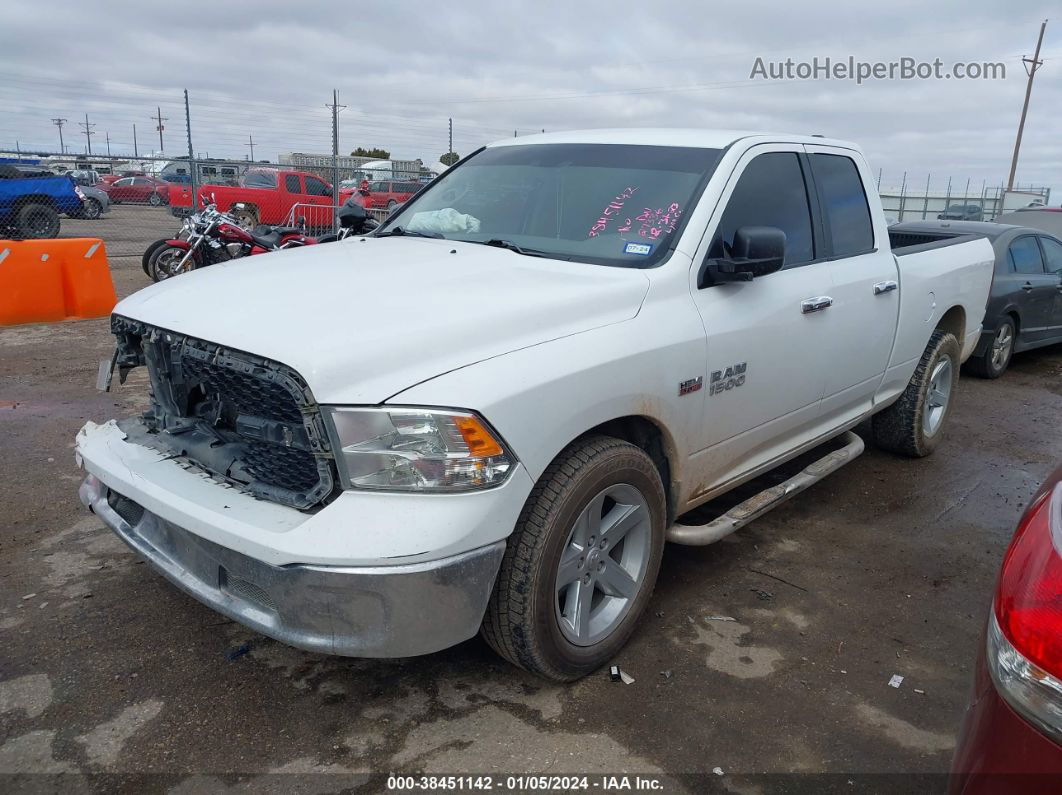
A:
x,y
211,236
353,220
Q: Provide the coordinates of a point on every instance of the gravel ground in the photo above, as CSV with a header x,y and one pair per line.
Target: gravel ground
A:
x,y
111,676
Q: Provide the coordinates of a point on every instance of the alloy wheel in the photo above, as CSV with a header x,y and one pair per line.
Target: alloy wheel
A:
x,y
603,565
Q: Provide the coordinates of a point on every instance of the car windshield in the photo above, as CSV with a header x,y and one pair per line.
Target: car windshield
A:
x,y
611,204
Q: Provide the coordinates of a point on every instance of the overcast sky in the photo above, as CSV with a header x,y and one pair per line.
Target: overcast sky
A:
x,y
267,69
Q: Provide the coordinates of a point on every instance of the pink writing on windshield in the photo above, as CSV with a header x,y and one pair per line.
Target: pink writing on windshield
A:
x,y
613,210
658,222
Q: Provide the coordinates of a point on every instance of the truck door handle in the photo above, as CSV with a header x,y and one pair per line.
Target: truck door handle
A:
x,y
816,304
1027,286
885,287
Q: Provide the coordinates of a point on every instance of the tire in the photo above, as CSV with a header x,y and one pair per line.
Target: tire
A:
x,y
145,261
155,200
914,424
163,260
91,209
996,358
37,222
246,218
391,204
532,622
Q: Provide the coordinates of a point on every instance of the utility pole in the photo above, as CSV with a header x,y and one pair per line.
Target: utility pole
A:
x,y
88,132
451,149
191,155
1031,67
159,119
135,152
335,106
108,143
250,143
59,123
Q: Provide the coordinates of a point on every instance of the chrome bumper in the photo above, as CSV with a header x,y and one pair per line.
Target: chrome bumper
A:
x,y
375,611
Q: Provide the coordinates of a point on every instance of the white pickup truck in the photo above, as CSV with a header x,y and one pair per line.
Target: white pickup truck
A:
x,y
491,413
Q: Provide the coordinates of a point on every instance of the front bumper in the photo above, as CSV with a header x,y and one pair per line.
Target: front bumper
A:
x,y
364,611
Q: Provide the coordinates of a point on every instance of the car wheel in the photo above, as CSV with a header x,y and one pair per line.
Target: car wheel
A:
x,y
580,567
165,263
245,218
996,358
155,200
37,222
914,424
91,209
391,204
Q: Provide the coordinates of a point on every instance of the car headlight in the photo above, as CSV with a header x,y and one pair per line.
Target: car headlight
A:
x,y
415,449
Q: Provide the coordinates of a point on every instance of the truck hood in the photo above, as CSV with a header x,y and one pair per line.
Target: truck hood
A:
x,y
364,319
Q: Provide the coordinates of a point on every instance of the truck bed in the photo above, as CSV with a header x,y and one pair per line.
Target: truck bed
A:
x,y
907,242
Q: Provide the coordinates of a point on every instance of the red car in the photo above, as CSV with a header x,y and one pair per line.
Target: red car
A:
x,y
383,194
1011,738
147,190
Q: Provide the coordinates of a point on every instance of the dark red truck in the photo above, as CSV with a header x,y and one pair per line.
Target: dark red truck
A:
x,y
264,196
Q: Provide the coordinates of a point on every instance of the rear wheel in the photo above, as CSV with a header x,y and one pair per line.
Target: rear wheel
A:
x,y
155,200
996,358
391,204
579,568
914,424
165,262
37,222
245,218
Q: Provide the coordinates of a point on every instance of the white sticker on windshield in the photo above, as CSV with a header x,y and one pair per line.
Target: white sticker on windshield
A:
x,y
641,249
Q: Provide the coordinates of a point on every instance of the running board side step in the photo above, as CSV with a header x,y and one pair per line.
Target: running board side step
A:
x,y
759,504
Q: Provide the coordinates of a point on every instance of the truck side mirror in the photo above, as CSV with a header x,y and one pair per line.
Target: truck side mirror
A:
x,y
757,251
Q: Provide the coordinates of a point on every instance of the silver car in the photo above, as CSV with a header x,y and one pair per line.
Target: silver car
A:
x,y
94,203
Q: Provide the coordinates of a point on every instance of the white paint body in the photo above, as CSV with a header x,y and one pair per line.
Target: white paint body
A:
x,y
546,350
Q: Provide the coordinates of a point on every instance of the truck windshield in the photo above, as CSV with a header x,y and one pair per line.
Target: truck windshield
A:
x,y
611,204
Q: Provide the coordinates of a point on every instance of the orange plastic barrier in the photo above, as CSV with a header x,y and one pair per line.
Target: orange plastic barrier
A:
x,y
42,281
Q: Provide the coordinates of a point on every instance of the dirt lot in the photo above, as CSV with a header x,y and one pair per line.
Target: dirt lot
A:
x,y
108,672
126,230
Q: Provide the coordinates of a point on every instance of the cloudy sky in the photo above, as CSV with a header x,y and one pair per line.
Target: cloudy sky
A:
x,y
266,69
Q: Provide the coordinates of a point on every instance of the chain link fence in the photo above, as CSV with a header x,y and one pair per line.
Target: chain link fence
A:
x,y
132,202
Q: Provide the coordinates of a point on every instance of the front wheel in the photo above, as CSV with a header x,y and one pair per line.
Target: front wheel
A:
x,y
165,263
914,424
580,566
155,200
91,209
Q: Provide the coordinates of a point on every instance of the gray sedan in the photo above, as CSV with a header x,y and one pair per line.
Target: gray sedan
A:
x,y
95,203
1025,304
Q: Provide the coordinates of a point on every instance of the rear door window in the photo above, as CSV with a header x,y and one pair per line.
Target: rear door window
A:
x,y
292,184
1052,254
317,187
1024,256
844,203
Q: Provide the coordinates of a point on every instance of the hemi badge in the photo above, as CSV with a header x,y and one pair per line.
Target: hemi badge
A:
x,y
692,385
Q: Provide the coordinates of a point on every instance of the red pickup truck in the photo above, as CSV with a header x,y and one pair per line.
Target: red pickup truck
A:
x,y
264,196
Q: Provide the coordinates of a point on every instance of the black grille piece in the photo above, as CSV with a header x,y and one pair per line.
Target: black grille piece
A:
x,y
249,395
129,510
281,466
248,420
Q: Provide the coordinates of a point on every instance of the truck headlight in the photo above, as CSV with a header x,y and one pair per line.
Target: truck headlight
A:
x,y
415,449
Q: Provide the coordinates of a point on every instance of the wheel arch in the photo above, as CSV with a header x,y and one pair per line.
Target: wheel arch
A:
x,y
954,322
650,436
